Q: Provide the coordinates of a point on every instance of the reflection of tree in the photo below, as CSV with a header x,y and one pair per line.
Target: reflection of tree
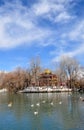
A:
x,y
72,113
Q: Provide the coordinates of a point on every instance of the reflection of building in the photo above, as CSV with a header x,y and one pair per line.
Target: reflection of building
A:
x,y
47,78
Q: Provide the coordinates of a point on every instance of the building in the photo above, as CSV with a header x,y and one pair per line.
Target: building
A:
x,y
47,78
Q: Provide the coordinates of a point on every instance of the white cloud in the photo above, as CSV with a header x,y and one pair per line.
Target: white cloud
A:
x,y
63,16
77,51
20,24
77,32
17,28
45,7
54,10
75,35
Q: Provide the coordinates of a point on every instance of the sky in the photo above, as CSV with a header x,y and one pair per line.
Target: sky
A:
x,y
44,28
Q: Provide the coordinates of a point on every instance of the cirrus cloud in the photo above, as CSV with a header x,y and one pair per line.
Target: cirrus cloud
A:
x,y
20,24
26,25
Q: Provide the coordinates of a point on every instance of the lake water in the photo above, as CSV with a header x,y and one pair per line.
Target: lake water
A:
x,y
56,111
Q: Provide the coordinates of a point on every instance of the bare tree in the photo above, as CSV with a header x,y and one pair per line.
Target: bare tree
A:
x,y
2,77
60,76
35,68
81,79
16,80
69,68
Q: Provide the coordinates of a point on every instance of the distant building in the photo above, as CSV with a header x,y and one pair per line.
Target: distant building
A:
x,y
47,78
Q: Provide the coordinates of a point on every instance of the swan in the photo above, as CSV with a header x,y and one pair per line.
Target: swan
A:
x,y
52,103
81,98
10,104
36,113
38,104
32,105
43,101
60,102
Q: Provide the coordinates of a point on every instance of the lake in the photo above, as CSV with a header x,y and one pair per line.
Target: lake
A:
x,y
41,111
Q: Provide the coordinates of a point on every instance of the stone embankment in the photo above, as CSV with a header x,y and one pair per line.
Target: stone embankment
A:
x,y
3,90
44,90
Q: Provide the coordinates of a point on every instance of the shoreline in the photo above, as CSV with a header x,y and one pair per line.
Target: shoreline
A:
x,y
44,90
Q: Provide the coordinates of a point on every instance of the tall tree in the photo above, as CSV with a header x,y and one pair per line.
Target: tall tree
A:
x,y
69,68
35,68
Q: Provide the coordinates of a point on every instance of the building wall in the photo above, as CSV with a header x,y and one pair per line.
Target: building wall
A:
x,y
47,79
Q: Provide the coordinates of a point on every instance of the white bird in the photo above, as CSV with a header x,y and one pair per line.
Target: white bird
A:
x,y
38,104
10,104
81,98
36,113
43,101
32,105
69,95
52,103
60,102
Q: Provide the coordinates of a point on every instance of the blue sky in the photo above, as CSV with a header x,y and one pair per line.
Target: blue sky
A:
x,y
45,28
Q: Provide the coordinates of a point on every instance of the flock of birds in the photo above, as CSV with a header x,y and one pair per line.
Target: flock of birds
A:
x,y
38,104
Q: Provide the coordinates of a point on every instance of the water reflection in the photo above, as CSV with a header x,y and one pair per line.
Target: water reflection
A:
x,y
67,115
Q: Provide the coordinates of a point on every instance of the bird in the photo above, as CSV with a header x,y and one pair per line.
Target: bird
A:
x,y
43,101
81,98
32,105
36,113
60,102
38,104
10,104
69,95
52,103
